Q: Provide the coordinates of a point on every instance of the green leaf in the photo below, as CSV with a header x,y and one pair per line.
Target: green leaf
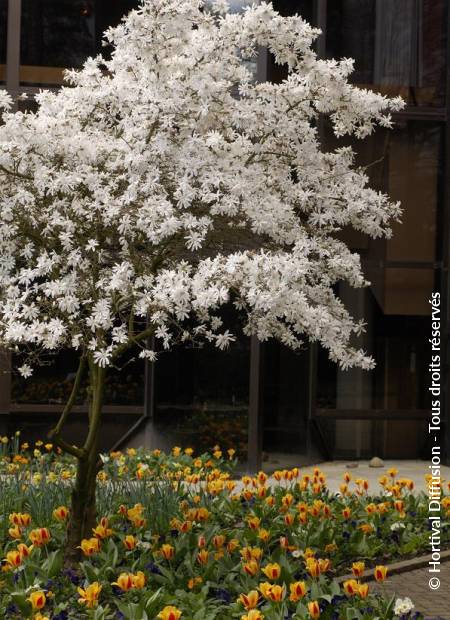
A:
x,y
315,592
353,614
54,563
335,588
90,572
20,599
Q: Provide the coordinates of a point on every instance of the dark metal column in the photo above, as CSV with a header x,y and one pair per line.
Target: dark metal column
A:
x,y
255,417
13,47
320,21
445,272
12,85
5,391
255,414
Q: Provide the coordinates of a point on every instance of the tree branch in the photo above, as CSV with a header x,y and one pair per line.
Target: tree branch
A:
x,y
79,453
132,341
71,401
98,383
15,173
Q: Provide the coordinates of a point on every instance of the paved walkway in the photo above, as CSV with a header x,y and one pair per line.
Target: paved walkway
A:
x,y
414,585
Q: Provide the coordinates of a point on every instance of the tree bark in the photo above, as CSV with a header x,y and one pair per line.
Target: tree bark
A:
x,y
83,513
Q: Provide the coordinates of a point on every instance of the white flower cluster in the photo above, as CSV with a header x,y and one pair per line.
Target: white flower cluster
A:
x,y
398,525
403,606
147,192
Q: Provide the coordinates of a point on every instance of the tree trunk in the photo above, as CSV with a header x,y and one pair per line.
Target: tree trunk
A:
x,y
83,512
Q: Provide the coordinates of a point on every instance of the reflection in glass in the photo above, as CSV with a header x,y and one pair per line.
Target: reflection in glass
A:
x,y
3,26
398,47
285,400
301,7
406,163
413,172
201,396
52,383
58,34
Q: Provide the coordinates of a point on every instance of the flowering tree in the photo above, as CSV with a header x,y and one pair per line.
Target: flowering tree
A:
x,y
164,183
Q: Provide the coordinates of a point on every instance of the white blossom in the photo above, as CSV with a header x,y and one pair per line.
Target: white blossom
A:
x,y
102,358
403,606
398,525
148,354
148,193
25,370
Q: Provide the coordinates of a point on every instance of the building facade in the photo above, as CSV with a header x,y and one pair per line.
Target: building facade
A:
x,y
268,401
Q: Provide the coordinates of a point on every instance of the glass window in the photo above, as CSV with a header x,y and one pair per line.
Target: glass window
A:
x,y
407,163
302,7
202,396
3,28
109,13
52,382
413,175
125,382
55,34
398,47
284,403
59,34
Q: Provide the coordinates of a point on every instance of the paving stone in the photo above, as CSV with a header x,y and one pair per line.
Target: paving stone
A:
x,y
415,585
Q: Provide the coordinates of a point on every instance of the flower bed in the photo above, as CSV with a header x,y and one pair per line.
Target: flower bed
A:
x,y
177,537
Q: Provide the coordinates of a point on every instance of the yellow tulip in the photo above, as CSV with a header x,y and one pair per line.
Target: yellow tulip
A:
x,y
139,580
61,513
39,536
24,550
253,614
203,556
89,546
363,590
272,571
380,573
358,568
277,593
130,542
265,589
314,609
15,532
90,595
351,587
263,534
298,590
169,613
251,568
14,558
37,600
167,551
253,522
250,600
347,513
124,582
